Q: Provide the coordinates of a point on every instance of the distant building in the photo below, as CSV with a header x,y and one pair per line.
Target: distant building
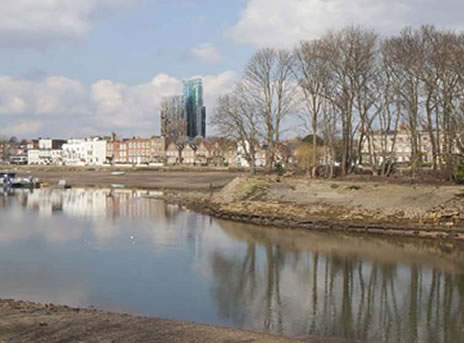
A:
x,y
188,154
173,153
13,152
137,150
172,117
44,156
18,159
260,155
216,152
4,147
116,151
84,152
194,109
396,145
49,144
44,151
32,144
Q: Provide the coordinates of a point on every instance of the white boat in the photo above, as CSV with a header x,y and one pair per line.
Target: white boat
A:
x,y
117,173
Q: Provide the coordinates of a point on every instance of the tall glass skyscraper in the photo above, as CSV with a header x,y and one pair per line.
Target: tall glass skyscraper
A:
x,y
195,111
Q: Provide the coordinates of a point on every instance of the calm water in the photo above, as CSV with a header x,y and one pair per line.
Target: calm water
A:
x,y
120,251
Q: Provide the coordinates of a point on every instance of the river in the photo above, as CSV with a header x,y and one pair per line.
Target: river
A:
x,y
125,251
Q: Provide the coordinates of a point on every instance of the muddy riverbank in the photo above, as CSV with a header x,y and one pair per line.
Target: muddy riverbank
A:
x,y
24,322
142,178
423,211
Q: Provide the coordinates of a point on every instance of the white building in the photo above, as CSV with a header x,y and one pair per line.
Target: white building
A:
x,y
44,157
260,156
50,144
84,152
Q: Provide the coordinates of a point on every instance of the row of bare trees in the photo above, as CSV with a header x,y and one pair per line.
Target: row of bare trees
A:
x,y
349,86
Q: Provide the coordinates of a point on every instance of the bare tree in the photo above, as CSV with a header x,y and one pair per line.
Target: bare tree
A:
x,y
268,83
405,55
350,54
237,118
173,122
358,92
382,126
329,122
447,62
311,71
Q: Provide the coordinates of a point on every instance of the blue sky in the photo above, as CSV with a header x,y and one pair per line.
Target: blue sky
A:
x,y
84,67
153,37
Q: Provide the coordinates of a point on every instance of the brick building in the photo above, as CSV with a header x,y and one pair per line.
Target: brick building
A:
x,y
4,147
136,150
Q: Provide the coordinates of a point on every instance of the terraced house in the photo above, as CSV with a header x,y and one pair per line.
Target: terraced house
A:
x,y
136,150
173,153
189,154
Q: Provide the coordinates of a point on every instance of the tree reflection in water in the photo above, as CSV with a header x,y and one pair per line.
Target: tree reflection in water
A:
x,y
303,285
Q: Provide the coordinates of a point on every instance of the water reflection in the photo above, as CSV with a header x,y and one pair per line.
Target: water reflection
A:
x,y
315,285
95,203
119,251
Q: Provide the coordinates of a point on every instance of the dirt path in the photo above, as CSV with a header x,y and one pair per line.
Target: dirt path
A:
x,y
24,322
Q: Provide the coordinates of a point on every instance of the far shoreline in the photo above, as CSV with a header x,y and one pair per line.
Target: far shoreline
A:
x,y
425,211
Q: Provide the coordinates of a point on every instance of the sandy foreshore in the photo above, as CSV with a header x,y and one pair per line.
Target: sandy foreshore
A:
x,y
25,322
142,178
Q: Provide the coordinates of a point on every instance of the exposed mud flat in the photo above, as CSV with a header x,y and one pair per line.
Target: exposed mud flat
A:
x,y
25,322
142,178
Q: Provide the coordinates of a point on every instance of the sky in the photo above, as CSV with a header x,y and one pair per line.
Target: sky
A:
x,y
74,68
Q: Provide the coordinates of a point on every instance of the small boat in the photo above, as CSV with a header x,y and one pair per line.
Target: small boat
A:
x,y
6,179
10,180
117,173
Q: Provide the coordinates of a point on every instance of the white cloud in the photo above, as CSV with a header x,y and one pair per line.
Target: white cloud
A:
x,y
216,85
59,106
22,128
52,96
206,53
40,23
284,22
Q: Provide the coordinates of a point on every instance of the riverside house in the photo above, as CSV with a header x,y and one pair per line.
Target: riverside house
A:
x,y
396,145
137,150
116,151
173,153
203,153
188,154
